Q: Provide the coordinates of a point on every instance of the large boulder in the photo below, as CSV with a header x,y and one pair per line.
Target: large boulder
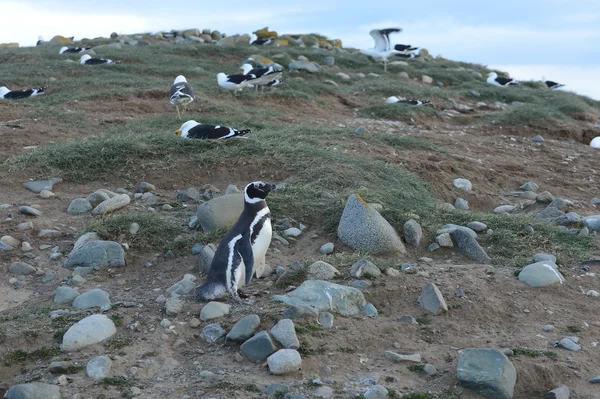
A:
x,y
220,212
488,372
96,254
541,274
362,228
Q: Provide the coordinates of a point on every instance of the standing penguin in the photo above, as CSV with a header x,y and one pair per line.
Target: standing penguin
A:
x,y
243,248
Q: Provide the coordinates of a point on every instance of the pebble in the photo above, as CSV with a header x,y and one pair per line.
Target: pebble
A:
x,y
431,299
429,369
477,226
324,392
173,306
65,294
594,380
444,240
25,226
461,203
463,184
145,187
213,332
275,390
569,344
413,233
194,323
285,333
48,277
390,271
21,268
46,194
363,268
538,139
408,319
49,233
213,310
88,331
243,329
292,232
79,206
327,248
259,347
99,367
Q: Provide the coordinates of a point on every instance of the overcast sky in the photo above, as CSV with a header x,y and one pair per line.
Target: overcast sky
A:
x,y
530,38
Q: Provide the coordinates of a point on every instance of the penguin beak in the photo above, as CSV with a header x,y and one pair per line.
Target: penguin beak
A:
x,y
269,187
178,132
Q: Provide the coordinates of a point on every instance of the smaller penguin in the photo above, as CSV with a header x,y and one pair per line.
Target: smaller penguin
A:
x,y
87,59
181,93
263,76
194,130
7,94
243,248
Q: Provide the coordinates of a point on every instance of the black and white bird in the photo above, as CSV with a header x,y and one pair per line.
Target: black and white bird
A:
x,y
275,82
194,130
264,76
7,94
407,55
242,251
411,101
405,47
383,49
496,80
552,85
65,49
87,59
234,82
181,93
40,41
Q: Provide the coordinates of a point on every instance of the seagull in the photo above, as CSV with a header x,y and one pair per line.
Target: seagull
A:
x,y
552,85
40,41
405,47
18,94
254,40
493,79
264,76
87,59
234,82
181,93
411,101
194,130
66,49
407,55
382,49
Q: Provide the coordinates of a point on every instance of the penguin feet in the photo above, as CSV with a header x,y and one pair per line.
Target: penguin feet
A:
x,y
238,298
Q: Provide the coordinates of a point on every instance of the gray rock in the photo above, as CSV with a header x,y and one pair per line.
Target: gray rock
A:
x,y
558,203
144,187
323,295
99,367
320,270
329,61
470,247
258,348
582,233
326,320
376,392
182,287
213,332
4,247
562,392
431,299
504,208
220,212
396,357
85,238
309,66
110,205
362,228
284,361
82,271
569,344
595,201
529,186
594,380
205,257
243,329
92,298
429,369
363,268
27,210
173,305
79,206
544,257
327,248
285,333
461,203
58,367
450,228
91,330
541,274
48,277
275,390
549,215
65,294
48,233
463,184
301,311
444,240
408,319
488,372
213,310
149,198
413,233
40,185
323,392
21,268
97,197
33,390
232,189
592,222
538,139
96,254
292,232
369,310
544,197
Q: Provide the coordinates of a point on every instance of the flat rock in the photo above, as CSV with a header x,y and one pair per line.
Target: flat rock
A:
x,y
33,390
324,295
488,372
320,270
244,328
79,206
258,348
362,228
99,367
110,205
504,208
87,237
285,333
182,287
569,344
220,212
91,330
541,274
173,305
413,233
284,361
213,310
92,298
463,184
396,357
40,185
21,269
363,268
9,240
213,332
301,311
49,233
431,299
96,254
65,294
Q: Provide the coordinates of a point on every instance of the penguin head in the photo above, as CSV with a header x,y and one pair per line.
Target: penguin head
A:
x,y
257,191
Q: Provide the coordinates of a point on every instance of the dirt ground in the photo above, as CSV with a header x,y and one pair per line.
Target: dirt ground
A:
x,y
496,311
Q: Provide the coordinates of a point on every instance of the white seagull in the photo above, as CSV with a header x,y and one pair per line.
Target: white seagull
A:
x,y
181,93
234,82
493,79
552,85
383,48
66,49
194,130
7,94
87,59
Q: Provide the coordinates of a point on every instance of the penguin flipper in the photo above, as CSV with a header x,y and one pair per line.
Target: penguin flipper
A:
x,y
245,250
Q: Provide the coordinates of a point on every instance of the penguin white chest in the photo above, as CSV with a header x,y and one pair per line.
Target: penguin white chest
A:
x,y
262,242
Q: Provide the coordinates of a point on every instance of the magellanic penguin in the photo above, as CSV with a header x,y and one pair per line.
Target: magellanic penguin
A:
x,y
243,249
181,93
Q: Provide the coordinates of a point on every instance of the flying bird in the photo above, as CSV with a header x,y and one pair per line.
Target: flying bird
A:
x,y
7,94
234,82
405,47
264,76
194,130
552,85
66,49
181,93
87,59
495,80
383,48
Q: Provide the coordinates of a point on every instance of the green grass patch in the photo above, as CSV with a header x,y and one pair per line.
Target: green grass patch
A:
x,y
574,329
20,355
535,353
410,143
119,381
398,111
418,395
345,349
118,342
417,368
424,320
